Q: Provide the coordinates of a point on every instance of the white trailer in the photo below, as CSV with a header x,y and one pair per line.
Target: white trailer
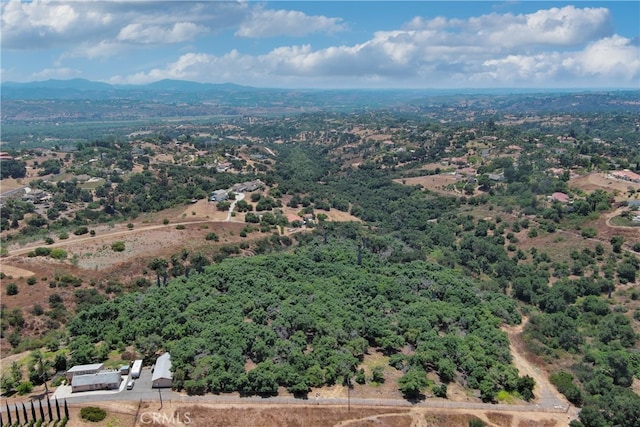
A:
x,y
136,369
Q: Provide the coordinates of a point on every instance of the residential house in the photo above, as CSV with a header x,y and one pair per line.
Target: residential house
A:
x,y
92,368
219,196
35,196
247,187
498,177
104,380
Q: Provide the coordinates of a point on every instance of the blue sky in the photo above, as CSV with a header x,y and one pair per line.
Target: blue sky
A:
x,y
326,44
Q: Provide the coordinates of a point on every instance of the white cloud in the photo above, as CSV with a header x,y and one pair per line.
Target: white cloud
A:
x,y
613,56
55,17
555,46
408,58
56,73
566,26
150,34
272,23
42,24
606,62
101,50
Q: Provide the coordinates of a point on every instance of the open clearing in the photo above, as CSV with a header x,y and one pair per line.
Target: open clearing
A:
x,y
436,183
595,181
123,414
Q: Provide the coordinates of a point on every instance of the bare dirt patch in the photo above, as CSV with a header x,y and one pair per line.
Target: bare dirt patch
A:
x,y
204,209
436,183
385,390
119,414
15,272
598,181
300,415
432,166
9,184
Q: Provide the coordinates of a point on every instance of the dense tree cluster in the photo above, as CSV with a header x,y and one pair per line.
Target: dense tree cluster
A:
x,y
308,318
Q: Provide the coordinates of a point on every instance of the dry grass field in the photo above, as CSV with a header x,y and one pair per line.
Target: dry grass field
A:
x,y
594,181
205,414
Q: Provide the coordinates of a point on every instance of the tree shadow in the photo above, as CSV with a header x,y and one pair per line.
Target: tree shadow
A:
x,y
303,395
415,399
39,396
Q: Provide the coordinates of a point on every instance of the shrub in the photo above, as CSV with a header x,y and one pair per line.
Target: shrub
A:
x,y
12,289
64,235
180,227
80,231
440,390
42,251
564,383
223,206
589,232
58,253
377,374
212,236
24,388
165,221
31,281
117,246
93,414
130,226
49,241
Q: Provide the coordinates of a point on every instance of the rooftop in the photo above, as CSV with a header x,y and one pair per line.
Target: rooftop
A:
x,y
163,367
90,367
104,377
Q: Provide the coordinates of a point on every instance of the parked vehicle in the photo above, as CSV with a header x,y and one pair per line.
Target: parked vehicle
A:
x,y
136,369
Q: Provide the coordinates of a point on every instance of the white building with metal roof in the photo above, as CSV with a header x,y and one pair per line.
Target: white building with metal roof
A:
x,y
104,380
92,368
162,376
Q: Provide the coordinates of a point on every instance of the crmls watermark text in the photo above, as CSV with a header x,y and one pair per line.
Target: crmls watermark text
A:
x,y
160,418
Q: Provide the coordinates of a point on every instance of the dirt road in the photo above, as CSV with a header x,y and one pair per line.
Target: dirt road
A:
x,y
546,395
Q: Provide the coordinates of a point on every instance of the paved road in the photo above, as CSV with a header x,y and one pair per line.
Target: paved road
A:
x,y
142,391
166,395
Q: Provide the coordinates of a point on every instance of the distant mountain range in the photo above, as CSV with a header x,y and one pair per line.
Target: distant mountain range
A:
x,y
82,88
88,85
188,92
170,97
